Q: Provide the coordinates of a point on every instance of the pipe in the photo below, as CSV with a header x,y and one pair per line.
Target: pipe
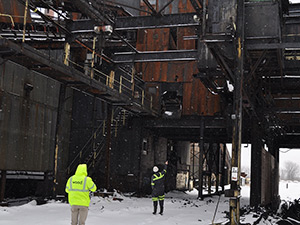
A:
x,y
11,18
25,18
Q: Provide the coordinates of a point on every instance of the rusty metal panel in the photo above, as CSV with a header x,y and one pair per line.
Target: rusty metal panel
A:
x,y
28,120
197,100
15,9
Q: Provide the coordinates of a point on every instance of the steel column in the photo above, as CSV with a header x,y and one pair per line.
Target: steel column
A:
x,y
237,117
256,165
223,168
274,150
108,145
218,150
3,184
58,142
193,169
201,150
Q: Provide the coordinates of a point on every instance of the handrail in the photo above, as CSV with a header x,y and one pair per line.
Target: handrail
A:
x,y
11,18
121,86
82,153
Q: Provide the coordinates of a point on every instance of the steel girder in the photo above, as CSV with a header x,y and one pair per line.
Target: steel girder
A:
x,y
156,56
151,22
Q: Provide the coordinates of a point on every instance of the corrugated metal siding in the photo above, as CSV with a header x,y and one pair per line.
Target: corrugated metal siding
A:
x,y
28,123
196,98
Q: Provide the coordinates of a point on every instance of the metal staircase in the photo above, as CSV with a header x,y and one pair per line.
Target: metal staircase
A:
x,y
91,152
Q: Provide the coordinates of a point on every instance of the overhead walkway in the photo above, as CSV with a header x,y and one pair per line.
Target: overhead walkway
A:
x,y
125,90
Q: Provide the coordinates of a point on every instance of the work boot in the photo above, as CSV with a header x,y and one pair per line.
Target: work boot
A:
x,y
161,205
154,207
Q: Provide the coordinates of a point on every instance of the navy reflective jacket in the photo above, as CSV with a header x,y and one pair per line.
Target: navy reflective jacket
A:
x,y
158,182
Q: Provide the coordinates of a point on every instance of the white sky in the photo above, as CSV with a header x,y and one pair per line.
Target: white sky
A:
x,y
284,156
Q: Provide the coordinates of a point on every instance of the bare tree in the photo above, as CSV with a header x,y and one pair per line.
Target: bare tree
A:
x,y
292,170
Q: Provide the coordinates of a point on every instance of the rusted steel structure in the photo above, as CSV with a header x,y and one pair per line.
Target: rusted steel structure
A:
x,y
123,85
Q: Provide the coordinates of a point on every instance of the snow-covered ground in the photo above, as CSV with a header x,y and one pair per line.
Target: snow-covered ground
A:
x,y
180,208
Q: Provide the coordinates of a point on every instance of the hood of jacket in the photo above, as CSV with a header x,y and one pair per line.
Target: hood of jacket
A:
x,y
81,170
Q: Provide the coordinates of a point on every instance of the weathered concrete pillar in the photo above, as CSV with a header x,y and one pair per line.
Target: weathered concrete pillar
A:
x,y
256,165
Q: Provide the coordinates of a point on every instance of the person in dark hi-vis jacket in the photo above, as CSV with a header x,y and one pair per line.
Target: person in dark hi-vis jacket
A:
x,y
158,188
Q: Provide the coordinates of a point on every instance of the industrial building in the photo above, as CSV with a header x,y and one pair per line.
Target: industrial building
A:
x,y
123,85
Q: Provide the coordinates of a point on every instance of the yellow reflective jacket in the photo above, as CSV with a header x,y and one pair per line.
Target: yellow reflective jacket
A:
x,y
79,186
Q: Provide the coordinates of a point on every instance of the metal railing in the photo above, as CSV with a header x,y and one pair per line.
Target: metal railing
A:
x,y
91,150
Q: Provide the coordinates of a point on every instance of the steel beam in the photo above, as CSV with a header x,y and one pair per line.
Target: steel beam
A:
x,y
188,123
150,7
152,22
260,46
196,5
256,164
165,6
222,62
157,56
89,10
82,26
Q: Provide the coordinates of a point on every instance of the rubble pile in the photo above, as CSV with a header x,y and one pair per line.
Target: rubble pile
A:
x,y
289,212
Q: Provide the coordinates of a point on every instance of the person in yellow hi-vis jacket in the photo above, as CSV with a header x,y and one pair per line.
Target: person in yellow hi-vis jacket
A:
x,y
158,188
78,188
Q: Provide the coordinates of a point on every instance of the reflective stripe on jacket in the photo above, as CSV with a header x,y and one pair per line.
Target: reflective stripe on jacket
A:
x,y
158,183
78,187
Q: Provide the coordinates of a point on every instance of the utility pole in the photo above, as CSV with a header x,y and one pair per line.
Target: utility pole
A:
x,y
237,118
